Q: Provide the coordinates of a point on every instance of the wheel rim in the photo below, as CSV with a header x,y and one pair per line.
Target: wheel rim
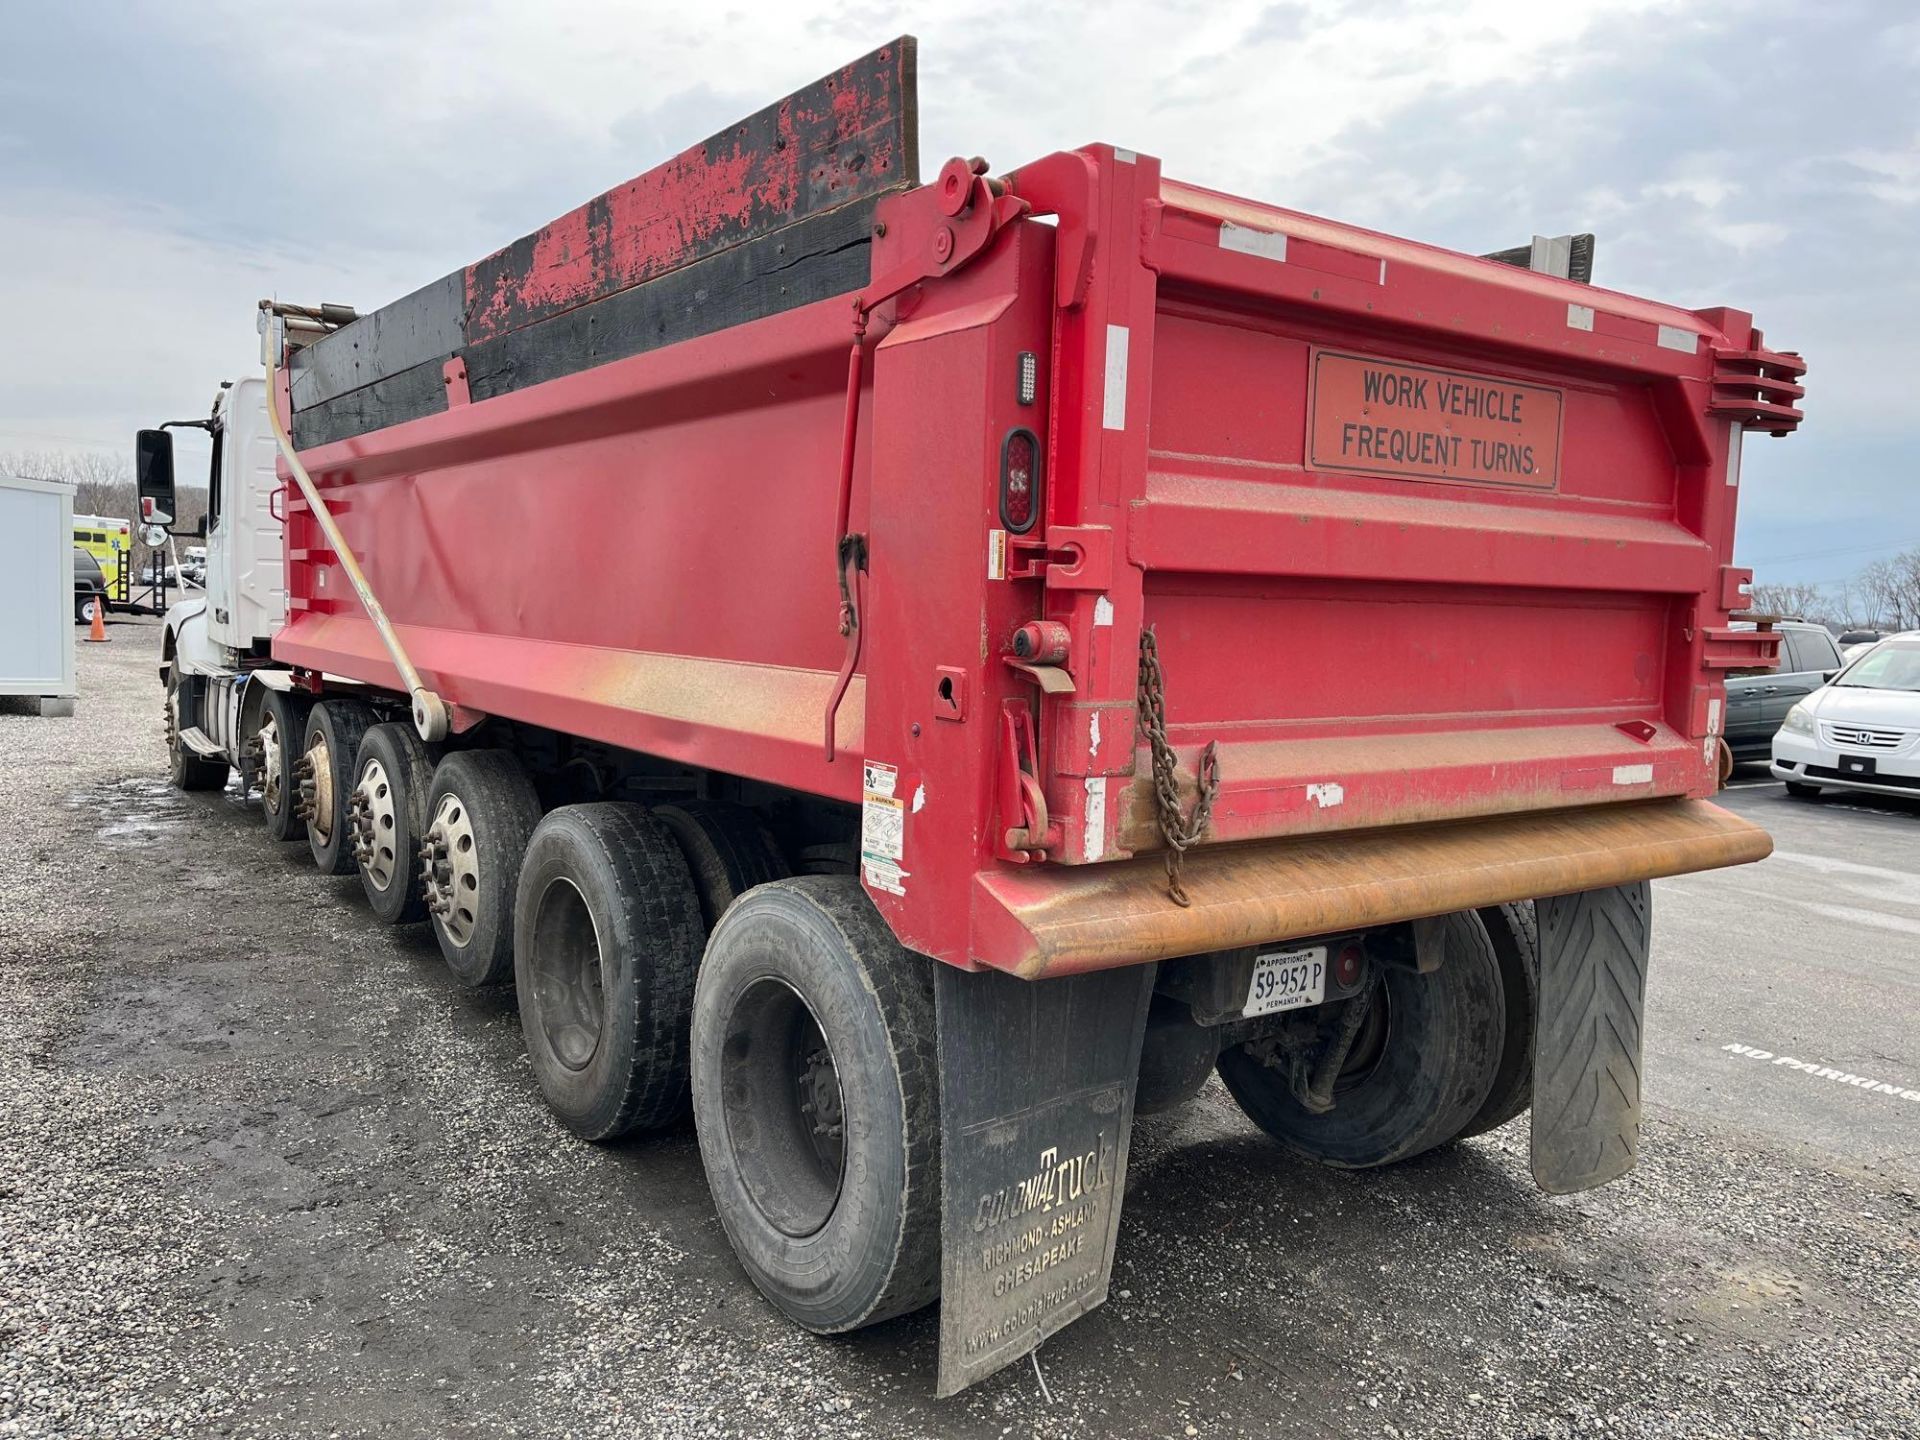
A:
x,y
320,780
569,975
376,837
786,1113
272,791
453,869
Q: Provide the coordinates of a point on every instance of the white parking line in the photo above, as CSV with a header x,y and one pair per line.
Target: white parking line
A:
x,y
1874,883
1865,1084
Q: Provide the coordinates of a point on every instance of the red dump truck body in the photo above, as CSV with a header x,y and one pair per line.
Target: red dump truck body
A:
x,y
1423,538
1141,574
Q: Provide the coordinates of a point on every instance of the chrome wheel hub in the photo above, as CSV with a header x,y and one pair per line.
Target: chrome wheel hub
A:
x,y
272,782
376,837
450,862
315,775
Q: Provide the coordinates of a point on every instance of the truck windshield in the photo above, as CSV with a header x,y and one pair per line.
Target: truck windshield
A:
x,y
1890,665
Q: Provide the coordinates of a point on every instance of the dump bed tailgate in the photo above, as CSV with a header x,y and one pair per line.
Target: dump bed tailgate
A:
x,y
1419,536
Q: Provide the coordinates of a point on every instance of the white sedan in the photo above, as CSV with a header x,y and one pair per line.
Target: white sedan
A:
x,y
1862,732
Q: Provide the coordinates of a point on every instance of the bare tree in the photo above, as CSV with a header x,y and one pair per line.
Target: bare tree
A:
x,y
1799,601
1890,590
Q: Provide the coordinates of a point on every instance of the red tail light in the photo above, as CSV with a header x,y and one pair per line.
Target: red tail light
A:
x,y
1346,966
1019,481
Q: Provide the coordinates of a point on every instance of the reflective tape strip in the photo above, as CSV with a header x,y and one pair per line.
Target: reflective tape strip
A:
x,y
1249,241
1114,414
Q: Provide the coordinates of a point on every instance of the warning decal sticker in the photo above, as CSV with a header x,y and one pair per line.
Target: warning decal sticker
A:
x,y
883,828
1370,416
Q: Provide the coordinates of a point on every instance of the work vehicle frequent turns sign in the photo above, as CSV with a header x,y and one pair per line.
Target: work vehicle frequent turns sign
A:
x,y
1383,417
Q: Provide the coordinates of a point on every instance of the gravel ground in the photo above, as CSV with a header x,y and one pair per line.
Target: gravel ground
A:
x,y
265,1171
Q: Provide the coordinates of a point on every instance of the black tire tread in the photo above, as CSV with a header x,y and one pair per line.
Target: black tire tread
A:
x,y
902,984
1511,928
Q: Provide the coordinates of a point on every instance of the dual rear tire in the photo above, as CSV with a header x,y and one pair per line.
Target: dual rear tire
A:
x,y
1441,1056
804,1034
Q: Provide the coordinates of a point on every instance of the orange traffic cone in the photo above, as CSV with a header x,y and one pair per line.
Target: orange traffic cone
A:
x,y
98,634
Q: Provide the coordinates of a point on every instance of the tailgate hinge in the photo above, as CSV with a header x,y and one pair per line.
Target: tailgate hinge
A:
x,y
977,209
1027,832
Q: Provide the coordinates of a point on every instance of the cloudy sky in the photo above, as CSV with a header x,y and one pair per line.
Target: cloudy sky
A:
x,y
164,164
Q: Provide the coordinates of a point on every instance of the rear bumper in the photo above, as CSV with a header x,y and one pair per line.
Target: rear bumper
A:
x,y
1045,921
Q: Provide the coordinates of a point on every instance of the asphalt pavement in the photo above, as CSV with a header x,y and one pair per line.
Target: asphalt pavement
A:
x,y
266,1171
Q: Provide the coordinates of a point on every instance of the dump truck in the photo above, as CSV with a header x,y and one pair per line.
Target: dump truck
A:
x,y
1044,638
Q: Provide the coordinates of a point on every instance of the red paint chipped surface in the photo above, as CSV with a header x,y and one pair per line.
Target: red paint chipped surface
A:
x,y
833,141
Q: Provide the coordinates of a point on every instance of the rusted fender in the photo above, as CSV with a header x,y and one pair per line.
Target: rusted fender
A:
x,y
1045,921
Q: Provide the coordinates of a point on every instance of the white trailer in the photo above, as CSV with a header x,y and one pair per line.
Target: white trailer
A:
x,y
36,592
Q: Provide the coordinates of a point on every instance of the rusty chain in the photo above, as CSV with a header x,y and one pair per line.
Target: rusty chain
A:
x,y
1182,831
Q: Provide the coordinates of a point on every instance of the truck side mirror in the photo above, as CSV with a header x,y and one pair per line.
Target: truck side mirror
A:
x,y
200,530
153,476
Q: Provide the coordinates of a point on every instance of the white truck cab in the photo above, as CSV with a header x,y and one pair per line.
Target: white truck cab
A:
x,y
217,642
246,562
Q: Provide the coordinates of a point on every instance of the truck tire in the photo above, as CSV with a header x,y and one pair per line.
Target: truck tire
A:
x,y
283,722
1510,928
727,848
332,748
392,777
1420,1069
607,937
186,768
816,1099
480,814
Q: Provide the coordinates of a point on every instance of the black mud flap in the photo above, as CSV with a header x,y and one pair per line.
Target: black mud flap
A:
x,y
1036,1106
1586,1045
